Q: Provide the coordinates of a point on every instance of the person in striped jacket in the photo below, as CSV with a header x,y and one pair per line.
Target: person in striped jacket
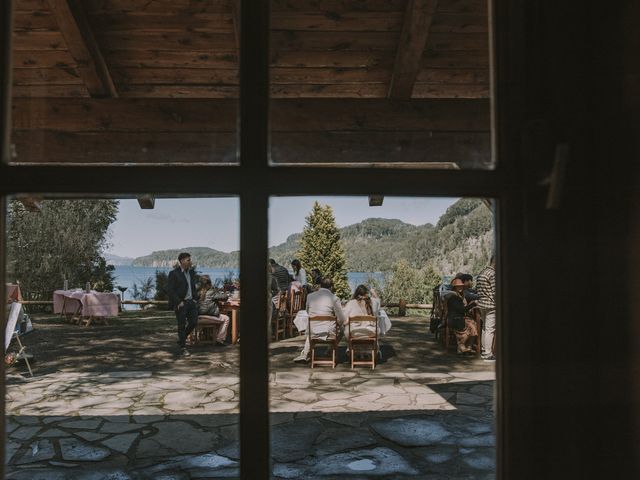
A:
x,y
486,287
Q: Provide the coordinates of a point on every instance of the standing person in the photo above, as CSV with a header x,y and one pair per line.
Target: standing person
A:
x,y
181,288
320,303
486,283
274,292
282,275
299,274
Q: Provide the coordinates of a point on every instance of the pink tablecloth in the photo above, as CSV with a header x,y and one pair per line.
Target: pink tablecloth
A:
x,y
94,304
13,293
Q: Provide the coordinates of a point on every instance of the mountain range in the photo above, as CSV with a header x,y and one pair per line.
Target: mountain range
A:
x,y
462,240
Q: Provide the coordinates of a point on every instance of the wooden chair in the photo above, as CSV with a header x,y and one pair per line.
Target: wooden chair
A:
x,y
296,303
280,318
367,344
448,337
205,331
331,340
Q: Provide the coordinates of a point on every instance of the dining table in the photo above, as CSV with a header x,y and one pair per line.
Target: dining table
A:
x,y
85,307
231,307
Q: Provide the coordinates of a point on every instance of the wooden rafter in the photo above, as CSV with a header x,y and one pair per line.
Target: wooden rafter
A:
x,y
82,45
413,40
288,115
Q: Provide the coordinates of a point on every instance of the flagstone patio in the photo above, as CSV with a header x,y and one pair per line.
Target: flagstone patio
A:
x,y
420,412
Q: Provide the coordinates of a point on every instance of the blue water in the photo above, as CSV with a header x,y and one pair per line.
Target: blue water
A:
x,y
126,276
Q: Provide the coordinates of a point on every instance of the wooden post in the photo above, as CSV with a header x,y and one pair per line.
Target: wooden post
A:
x,y
402,307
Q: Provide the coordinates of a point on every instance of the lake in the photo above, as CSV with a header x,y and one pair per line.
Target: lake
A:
x,y
126,276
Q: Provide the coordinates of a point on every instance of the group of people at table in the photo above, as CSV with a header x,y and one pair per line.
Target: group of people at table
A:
x,y
189,303
460,304
322,302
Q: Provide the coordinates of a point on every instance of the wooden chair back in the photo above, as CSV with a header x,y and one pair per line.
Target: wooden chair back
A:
x,y
280,318
331,341
296,303
367,343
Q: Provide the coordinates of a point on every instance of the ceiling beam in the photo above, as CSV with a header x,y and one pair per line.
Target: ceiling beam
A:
x,y
287,115
146,202
413,41
434,149
76,30
31,203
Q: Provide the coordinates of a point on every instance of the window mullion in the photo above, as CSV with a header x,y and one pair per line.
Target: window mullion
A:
x,y
254,125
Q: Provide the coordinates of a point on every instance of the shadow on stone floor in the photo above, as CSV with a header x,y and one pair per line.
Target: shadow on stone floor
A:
x,y
391,444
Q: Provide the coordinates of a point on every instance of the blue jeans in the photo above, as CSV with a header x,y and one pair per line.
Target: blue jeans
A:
x,y
187,317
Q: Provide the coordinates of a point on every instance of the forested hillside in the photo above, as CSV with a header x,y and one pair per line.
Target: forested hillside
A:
x,y
204,257
461,241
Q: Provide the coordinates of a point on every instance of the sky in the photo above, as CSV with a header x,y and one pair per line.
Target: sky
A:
x,y
179,223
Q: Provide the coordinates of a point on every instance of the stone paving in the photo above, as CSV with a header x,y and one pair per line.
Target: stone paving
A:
x,y
392,422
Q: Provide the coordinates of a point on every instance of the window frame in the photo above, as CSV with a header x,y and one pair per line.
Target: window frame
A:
x,y
254,180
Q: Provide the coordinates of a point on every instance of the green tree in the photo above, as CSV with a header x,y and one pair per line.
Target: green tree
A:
x,y
162,281
320,248
410,284
144,290
64,240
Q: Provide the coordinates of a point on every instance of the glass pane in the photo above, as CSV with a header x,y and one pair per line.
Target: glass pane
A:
x,y
426,406
380,83
93,290
123,82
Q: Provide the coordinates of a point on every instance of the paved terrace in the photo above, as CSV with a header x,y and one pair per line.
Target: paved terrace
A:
x,y
117,402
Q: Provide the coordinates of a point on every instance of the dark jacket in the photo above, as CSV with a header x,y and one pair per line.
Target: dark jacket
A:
x,y
282,277
456,311
177,287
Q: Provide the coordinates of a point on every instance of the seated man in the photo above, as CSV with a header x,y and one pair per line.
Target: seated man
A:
x,y
316,277
208,305
320,303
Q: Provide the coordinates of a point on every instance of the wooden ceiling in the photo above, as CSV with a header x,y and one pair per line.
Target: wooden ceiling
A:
x,y
137,52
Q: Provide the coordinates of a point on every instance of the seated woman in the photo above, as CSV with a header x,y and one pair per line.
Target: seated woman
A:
x,y
456,308
208,305
362,303
299,274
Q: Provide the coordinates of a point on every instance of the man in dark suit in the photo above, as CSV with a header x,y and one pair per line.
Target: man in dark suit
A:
x,y
181,288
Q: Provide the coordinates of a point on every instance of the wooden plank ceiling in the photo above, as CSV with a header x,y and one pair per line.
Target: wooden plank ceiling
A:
x,y
136,52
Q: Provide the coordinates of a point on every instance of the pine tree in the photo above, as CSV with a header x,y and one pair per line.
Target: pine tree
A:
x,y
320,248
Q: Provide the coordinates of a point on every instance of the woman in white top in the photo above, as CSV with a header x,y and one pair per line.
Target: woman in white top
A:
x,y
299,275
361,304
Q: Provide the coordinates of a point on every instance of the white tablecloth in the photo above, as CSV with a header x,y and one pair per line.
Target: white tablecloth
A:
x,y
384,323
